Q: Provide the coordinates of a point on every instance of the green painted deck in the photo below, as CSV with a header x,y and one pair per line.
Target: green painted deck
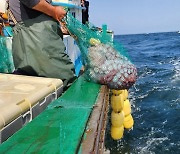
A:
x,y
60,128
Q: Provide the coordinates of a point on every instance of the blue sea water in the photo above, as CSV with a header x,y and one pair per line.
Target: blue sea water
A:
x,y
155,98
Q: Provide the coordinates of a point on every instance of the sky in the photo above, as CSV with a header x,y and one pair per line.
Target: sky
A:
x,y
136,16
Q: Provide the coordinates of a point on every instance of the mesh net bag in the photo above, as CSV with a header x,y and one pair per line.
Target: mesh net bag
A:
x,y
106,62
6,60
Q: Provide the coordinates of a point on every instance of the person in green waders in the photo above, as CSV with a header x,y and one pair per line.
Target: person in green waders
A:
x,y
37,47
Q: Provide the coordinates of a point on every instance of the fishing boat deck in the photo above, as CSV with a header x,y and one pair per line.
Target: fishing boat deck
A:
x,y
74,123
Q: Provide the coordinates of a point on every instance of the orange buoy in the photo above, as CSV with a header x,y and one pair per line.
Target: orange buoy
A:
x,y
5,16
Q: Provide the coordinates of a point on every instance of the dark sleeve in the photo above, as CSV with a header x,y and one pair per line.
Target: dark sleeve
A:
x,y
30,3
86,3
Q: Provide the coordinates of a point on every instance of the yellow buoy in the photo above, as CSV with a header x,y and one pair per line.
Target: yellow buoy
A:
x,y
117,102
117,92
125,92
94,41
127,107
117,132
117,119
128,121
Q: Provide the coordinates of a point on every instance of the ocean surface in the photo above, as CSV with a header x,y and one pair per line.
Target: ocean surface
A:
x,y
155,98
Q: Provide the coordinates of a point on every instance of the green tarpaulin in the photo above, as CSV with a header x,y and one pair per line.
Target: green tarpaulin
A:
x,y
59,129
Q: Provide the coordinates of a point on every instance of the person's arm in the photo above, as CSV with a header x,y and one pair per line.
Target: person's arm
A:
x,y
41,5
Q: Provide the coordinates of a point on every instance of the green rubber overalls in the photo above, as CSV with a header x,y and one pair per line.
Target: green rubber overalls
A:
x,y
38,47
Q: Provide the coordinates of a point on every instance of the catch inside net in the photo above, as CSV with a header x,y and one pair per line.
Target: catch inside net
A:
x,y
106,61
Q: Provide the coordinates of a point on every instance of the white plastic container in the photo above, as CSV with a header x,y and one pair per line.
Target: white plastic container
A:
x,y
22,98
3,6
